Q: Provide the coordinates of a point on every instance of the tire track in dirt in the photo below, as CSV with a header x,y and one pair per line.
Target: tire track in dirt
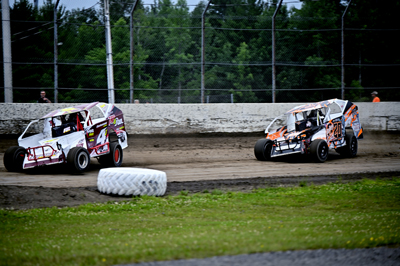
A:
x,y
196,163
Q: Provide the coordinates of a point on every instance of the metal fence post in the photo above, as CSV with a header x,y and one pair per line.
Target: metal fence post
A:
x,y
273,51
342,76
110,71
203,62
55,52
232,98
132,46
7,58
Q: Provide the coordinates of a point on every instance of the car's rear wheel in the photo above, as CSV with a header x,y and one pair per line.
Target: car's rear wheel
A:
x,y
319,150
262,149
114,158
14,158
78,159
351,148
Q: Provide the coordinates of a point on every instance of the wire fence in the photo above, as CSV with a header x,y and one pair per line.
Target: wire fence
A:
x,y
167,54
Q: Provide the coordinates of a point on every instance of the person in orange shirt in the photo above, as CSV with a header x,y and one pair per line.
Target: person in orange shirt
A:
x,y
375,98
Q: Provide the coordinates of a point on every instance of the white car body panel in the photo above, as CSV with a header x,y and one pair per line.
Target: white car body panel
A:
x,y
46,148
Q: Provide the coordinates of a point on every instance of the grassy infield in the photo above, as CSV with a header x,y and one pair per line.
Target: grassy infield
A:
x,y
361,214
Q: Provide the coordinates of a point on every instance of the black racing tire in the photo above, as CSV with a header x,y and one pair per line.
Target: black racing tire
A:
x,y
114,158
78,159
351,148
14,158
262,149
319,150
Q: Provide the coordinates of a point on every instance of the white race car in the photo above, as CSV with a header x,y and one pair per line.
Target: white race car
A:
x,y
71,135
313,129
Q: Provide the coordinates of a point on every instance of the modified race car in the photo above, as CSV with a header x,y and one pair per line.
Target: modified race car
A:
x,y
313,129
71,135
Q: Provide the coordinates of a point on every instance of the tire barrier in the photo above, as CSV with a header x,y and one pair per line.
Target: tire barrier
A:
x,y
132,181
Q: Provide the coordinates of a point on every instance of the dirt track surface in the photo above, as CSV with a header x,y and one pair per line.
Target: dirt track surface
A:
x,y
197,163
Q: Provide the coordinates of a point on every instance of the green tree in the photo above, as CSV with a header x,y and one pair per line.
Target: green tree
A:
x,y
32,46
120,44
242,79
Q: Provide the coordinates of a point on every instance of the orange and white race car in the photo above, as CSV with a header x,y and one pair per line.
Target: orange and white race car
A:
x,y
313,129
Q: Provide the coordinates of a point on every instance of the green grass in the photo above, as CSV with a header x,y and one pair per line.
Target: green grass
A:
x,y
355,215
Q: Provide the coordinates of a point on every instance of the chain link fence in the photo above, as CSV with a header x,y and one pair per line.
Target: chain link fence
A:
x,y
167,54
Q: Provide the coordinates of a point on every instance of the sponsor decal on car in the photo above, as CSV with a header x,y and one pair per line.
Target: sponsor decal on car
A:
x,y
102,149
111,119
121,136
50,140
117,121
80,143
67,129
90,132
68,109
102,125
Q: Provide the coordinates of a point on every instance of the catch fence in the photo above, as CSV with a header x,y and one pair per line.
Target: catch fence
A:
x,y
165,40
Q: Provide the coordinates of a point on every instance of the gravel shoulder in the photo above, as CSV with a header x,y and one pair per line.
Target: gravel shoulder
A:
x,y
328,257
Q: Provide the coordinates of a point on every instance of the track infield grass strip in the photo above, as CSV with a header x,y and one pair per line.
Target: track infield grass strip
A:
x,y
353,215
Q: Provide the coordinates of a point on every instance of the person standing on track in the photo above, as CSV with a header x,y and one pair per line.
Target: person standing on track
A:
x,y
375,98
43,98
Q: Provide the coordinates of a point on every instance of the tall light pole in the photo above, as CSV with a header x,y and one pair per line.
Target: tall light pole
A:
x,y
273,51
110,71
7,58
203,53
132,46
55,53
342,76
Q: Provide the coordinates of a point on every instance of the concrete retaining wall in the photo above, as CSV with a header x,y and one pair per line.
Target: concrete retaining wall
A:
x,y
197,118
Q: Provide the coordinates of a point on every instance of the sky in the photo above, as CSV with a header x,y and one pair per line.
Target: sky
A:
x,y
70,4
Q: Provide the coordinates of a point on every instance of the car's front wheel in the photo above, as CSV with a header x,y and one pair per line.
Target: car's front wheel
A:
x,y
78,159
14,158
319,150
262,149
351,148
114,158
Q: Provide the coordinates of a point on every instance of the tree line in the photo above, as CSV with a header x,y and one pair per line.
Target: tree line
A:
x,y
238,41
